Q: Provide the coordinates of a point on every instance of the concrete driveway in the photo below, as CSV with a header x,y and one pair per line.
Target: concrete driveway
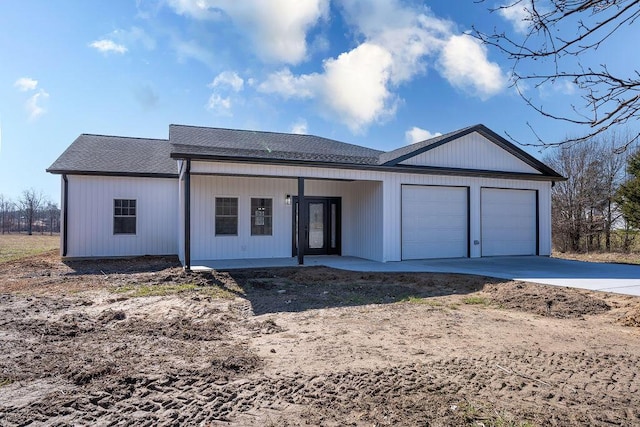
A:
x,y
618,278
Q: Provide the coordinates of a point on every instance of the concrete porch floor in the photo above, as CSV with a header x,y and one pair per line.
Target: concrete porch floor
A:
x,y
618,278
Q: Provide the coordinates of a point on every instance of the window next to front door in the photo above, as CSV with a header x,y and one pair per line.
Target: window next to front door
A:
x,y
261,217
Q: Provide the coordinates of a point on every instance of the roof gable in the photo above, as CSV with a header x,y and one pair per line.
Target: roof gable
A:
x,y
471,151
475,147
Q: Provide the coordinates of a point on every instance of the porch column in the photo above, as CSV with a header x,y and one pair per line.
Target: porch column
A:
x,y
187,215
302,222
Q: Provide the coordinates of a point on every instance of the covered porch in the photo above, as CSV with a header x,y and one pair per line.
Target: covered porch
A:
x,y
258,212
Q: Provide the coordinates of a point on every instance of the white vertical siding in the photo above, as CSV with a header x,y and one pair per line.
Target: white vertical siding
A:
x,y
90,216
472,151
204,242
392,200
362,226
361,216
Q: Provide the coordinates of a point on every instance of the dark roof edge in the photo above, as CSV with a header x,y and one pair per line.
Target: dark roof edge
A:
x,y
125,137
114,174
425,170
491,136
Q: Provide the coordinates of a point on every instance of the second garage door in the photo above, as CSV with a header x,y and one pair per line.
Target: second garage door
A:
x,y
434,222
508,222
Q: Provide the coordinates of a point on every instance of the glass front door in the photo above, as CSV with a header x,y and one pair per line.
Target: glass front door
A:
x,y
322,226
317,227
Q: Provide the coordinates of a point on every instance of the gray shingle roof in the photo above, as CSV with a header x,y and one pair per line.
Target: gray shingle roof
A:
x,y
115,155
215,142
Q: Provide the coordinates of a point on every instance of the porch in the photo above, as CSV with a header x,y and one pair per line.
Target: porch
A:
x,y
255,217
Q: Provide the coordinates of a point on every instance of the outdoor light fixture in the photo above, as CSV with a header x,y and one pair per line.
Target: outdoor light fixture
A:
x,y
287,199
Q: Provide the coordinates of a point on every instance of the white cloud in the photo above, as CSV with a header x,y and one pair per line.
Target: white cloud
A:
x,y
299,127
416,134
285,84
355,86
25,84
464,64
219,104
517,13
410,35
34,104
358,87
277,28
352,87
230,79
108,46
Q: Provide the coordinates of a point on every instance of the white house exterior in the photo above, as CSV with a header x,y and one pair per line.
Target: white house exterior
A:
x,y
207,194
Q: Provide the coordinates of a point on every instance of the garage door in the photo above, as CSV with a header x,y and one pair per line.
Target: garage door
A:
x,y
434,222
508,222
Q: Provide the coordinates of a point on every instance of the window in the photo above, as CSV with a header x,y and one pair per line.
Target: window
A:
x,y
261,217
124,216
226,216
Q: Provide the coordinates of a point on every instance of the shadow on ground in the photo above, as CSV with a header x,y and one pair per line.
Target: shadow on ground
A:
x,y
298,289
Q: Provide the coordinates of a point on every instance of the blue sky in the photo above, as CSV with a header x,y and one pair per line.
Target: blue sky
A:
x,y
375,73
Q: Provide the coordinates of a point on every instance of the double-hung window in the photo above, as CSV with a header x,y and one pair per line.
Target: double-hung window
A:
x,y
226,216
124,216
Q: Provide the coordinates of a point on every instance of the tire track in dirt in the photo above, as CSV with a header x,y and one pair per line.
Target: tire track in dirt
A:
x,y
404,395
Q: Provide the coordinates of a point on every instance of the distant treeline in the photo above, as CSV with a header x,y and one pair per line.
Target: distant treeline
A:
x,y
31,213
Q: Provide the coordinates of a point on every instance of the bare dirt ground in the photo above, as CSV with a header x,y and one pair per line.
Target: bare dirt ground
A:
x,y
611,257
139,342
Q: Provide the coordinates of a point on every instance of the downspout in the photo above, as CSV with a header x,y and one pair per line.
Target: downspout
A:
x,y
65,215
187,215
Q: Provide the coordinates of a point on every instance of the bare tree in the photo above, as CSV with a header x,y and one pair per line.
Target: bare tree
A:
x,y
560,35
53,214
30,203
575,201
613,162
6,206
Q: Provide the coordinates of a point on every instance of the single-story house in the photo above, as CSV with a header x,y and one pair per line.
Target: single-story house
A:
x,y
211,194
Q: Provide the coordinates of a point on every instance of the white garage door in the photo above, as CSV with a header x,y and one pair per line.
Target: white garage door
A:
x,y
508,222
434,222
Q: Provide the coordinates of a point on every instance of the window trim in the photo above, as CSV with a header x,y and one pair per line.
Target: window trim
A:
x,y
215,216
114,216
251,216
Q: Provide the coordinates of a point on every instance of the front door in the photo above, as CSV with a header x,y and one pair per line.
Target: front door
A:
x,y
322,226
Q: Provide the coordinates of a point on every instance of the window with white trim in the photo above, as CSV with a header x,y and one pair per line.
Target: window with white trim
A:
x,y
124,216
226,216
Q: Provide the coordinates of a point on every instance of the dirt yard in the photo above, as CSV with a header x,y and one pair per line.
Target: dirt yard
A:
x,y
139,342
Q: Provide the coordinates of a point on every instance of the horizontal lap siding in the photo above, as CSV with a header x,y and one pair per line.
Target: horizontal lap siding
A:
x,y
90,216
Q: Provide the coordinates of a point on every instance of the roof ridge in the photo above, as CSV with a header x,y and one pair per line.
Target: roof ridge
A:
x,y
307,135
124,137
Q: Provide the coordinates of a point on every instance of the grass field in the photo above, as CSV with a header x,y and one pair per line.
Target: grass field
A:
x,y
16,246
